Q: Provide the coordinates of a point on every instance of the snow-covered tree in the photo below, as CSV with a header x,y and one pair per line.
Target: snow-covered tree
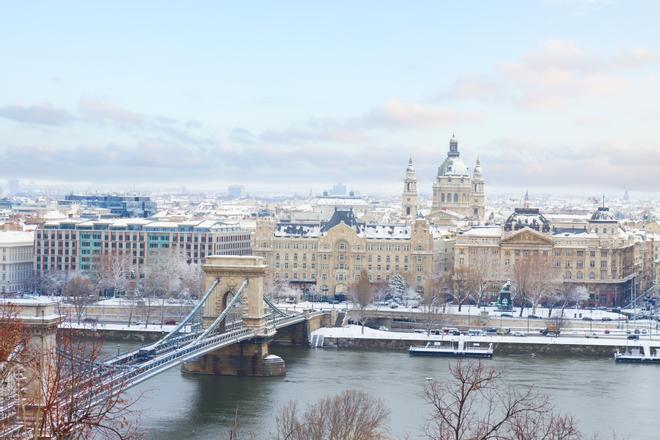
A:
x,y
397,287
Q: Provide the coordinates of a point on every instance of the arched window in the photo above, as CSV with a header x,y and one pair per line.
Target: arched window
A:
x,y
592,276
579,275
442,197
407,210
568,275
455,197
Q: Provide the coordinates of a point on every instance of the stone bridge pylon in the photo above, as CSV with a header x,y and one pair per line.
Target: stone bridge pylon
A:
x,y
247,358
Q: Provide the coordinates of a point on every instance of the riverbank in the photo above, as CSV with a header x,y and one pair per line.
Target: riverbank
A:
x,y
352,337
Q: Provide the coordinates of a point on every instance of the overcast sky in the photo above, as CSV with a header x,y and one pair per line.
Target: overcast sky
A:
x,y
299,95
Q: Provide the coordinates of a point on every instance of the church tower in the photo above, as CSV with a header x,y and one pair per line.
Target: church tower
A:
x,y
409,198
478,195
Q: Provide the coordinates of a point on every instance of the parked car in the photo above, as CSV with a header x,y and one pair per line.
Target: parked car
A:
x,y
592,335
587,318
533,317
491,331
606,318
506,315
518,333
503,331
394,305
170,322
633,337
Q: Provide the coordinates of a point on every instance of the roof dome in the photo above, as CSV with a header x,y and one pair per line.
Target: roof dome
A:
x,y
527,218
603,215
453,165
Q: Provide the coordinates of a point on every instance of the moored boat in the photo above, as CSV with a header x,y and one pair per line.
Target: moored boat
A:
x,y
638,355
458,349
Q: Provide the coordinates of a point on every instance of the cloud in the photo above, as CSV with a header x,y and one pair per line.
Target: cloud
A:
x,y
396,115
560,71
43,114
103,111
554,74
392,115
599,164
476,89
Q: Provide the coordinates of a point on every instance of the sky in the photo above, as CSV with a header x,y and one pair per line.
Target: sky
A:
x,y
296,96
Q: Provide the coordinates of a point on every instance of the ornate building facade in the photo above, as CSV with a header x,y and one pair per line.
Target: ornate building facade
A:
x,y
328,256
599,256
457,195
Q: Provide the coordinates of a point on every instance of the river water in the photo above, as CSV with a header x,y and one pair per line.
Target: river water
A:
x,y
603,396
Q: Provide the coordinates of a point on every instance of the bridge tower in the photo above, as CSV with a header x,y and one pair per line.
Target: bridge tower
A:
x,y
247,358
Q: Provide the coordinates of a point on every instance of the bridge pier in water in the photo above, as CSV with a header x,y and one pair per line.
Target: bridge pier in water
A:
x,y
246,358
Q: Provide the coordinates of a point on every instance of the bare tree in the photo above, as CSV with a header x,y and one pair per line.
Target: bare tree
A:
x,y
460,282
573,295
80,292
53,283
475,404
479,276
76,399
113,272
349,415
431,300
535,277
362,294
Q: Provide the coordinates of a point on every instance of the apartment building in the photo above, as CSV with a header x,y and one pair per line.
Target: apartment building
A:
x,y
75,244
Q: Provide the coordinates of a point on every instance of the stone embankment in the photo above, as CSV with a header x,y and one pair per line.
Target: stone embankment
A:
x,y
352,337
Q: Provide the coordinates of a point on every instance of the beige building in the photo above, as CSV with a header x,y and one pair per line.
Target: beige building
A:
x,y
329,256
16,257
600,255
457,195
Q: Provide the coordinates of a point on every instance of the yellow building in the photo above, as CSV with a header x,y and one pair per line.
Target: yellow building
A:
x,y
329,256
600,255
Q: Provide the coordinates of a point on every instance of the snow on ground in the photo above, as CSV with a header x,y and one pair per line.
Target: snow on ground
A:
x,y
451,309
355,332
119,327
154,301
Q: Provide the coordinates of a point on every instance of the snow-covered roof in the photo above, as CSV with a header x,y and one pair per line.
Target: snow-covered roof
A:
x,y
297,230
16,237
386,231
483,231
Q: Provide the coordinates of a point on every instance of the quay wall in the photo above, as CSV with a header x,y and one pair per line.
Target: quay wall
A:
x,y
500,347
114,335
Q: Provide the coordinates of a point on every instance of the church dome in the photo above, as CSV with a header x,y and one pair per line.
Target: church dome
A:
x,y
453,165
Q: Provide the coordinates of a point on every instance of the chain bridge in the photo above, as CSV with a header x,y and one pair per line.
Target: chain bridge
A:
x,y
226,333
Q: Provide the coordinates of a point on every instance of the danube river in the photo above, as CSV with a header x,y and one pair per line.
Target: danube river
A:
x,y
602,395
